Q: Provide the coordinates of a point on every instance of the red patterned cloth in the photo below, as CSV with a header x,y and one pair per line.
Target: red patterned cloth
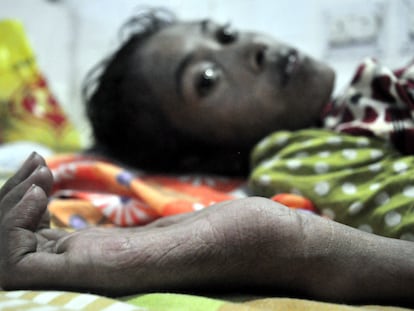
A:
x,y
379,102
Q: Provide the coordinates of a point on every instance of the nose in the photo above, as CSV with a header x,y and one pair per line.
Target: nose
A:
x,y
257,56
279,56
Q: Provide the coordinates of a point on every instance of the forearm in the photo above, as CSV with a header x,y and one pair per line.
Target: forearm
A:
x,y
340,263
257,243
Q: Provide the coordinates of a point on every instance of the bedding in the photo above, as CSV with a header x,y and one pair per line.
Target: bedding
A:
x,y
65,301
379,102
92,191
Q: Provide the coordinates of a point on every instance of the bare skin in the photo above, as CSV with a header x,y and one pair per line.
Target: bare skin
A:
x,y
251,86
253,243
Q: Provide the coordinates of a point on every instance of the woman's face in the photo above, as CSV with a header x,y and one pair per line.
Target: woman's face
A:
x,y
216,84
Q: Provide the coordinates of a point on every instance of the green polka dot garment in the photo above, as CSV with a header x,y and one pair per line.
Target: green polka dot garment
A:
x,y
358,181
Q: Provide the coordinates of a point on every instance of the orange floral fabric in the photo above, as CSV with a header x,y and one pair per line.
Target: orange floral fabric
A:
x,y
90,191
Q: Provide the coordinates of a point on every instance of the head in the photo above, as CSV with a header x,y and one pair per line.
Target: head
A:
x,y
197,94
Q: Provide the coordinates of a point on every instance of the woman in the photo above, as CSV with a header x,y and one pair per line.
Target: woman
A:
x,y
215,91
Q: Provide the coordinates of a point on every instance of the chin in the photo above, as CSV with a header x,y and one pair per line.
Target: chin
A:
x,y
326,85
318,92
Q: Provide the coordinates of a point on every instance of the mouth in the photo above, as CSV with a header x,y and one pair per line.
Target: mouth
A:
x,y
290,64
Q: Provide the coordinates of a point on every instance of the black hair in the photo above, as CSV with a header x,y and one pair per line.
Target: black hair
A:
x,y
128,125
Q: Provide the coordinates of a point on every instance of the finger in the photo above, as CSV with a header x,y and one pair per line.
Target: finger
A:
x,y
31,163
45,221
41,177
28,212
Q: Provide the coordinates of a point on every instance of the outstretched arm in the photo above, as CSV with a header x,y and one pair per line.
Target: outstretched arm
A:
x,y
243,243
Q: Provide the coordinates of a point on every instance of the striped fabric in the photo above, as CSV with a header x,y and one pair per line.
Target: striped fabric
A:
x,y
67,301
58,300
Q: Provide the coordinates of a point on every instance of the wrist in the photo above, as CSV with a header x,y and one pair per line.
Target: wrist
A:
x,y
357,267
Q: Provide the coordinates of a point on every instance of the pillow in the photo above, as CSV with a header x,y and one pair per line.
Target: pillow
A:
x,y
28,109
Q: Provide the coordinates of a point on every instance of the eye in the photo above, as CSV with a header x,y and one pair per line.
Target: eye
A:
x,y
226,34
207,81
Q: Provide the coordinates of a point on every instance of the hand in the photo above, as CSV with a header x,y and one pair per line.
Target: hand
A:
x,y
25,239
31,254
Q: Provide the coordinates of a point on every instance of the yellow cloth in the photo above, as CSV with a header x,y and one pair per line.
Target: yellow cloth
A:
x,y
28,109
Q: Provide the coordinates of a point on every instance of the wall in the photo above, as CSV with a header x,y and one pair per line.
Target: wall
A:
x,y
70,36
